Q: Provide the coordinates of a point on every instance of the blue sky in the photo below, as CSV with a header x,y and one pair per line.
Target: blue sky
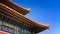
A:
x,y
43,11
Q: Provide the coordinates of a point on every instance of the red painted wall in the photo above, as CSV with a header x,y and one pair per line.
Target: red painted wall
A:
x,y
2,32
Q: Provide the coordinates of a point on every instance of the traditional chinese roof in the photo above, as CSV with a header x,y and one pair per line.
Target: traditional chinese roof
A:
x,y
8,11
15,7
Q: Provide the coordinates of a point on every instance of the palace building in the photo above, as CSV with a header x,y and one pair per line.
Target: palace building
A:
x,y
14,21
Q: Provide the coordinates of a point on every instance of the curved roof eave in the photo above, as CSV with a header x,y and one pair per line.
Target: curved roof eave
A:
x,y
15,7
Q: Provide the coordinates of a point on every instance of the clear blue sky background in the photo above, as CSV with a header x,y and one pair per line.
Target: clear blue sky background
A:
x,y
43,11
